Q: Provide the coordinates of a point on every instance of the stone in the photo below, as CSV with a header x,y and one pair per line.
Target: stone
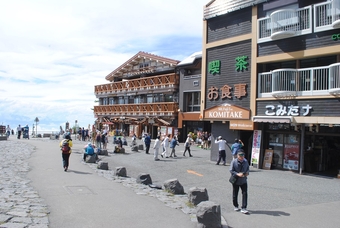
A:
x,y
144,178
91,159
140,147
120,171
208,215
197,195
173,186
103,165
134,148
103,152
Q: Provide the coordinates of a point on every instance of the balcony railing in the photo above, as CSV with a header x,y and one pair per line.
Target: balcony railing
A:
x,y
141,85
327,15
285,23
300,82
135,110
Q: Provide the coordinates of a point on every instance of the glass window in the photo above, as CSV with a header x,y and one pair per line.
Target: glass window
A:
x,y
192,101
121,100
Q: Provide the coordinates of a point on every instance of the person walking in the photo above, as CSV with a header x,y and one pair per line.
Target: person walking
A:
x,y
239,168
19,129
187,145
238,144
165,145
221,150
147,142
156,147
8,131
66,149
173,144
98,140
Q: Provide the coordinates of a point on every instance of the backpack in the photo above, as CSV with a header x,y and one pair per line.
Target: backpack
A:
x,y
65,147
235,146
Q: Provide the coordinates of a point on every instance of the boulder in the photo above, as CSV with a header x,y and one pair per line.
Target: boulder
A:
x,y
120,171
91,159
144,178
103,152
197,195
141,147
208,215
134,148
173,186
103,165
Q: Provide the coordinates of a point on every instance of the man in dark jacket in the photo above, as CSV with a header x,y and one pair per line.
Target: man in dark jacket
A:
x,y
239,168
147,142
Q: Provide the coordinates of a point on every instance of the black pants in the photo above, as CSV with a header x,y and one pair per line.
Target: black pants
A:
x,y
19,134
221,155
66,158
244,189
187,148
147,148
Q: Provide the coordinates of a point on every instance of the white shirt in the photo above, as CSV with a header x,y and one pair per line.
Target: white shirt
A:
x,y
165,142
221,144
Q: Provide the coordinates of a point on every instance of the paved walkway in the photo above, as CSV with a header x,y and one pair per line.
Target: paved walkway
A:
x,y
77,198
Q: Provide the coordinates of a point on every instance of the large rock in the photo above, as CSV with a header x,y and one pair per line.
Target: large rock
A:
x,y
120,171
91,158
173,186
197,195
140,147
208,215
103,165
134,148
103,152
144,178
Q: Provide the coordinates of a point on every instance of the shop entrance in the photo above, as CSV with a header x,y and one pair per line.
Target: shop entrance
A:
x,y
322,154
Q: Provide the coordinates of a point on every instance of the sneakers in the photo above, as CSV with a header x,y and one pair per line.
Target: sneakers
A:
x,y
156,159
236,209
244,211
162,155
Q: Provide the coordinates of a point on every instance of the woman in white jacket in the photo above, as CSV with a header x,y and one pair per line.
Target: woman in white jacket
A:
x,y
156,147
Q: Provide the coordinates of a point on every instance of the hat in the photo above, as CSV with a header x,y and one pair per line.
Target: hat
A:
x,y
240,151
89,144
219,137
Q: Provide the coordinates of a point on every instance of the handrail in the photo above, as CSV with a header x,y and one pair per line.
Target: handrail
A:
x,y
146,83
144,109
323,80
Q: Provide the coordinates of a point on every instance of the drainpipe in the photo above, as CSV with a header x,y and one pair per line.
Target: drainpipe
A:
x,y
302,143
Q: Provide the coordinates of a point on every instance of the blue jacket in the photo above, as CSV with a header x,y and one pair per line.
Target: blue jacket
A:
x,y
147,140
239,167
173,143
89,150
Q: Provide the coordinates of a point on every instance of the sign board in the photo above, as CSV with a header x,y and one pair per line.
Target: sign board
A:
x,y
268,157
247,125
291,156
255,152
227,112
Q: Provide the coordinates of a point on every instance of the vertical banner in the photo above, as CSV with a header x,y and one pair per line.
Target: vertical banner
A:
x,y
255,152
291,156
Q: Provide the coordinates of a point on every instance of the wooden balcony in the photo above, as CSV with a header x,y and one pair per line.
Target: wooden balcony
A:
x,y
137,110
139,86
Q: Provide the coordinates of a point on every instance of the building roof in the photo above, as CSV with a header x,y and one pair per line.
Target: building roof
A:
x,y
136,59
191,59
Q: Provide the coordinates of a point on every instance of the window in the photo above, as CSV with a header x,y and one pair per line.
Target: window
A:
x,y
121,100
192,101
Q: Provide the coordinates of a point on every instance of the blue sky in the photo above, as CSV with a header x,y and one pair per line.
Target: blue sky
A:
x,y
53,53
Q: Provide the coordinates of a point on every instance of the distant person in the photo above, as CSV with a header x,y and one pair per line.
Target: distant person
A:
x,y
12,132
156,147
239,168
120,143
66,150
147,142
89,151
8,131
187,145
98,140
205,140
165,145
173,144
221,150
104,140
238,144
19,130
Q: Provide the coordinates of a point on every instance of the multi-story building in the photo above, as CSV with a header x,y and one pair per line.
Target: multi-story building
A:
x,y
141,96
272,69
189,119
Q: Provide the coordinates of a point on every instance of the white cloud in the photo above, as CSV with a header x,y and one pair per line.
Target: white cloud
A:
x,y
52,53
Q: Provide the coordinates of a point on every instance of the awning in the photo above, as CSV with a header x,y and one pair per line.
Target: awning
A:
x,y
163,121
272,119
